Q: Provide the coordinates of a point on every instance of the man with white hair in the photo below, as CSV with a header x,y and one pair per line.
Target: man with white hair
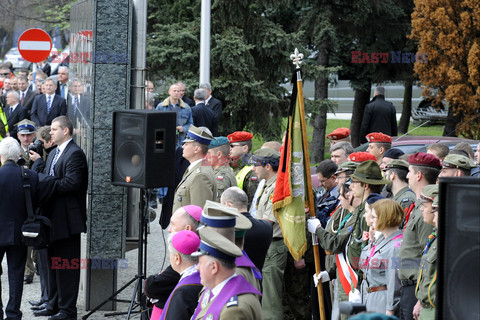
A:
x,y
210,101
13,214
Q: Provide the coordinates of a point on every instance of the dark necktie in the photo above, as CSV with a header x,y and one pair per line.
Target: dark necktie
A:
x,y
55,159
49,104
23,98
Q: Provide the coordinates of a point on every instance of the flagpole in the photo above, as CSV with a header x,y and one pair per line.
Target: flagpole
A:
x,y
297,60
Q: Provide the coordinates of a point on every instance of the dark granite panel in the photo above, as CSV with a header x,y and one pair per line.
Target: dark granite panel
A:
x,y
111,95
112,31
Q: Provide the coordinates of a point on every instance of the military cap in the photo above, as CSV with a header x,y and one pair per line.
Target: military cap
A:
x,y
397,164
393,153
435,202
374,197
458,161
378,137
194,211
214,244
186,242
264,156
346,166
369,172
239,136
218,141
424,159
25,126
217,215
429,192
201,135
339,133
361,156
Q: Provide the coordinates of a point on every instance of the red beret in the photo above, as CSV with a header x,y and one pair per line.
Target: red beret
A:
x,y
378,137
238,136
339,133
424,159
361,156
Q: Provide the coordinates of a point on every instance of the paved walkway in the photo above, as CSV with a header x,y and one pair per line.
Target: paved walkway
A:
x,y
155,260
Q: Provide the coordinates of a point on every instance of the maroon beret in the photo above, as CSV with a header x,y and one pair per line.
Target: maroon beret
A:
x,y
424,159
238,136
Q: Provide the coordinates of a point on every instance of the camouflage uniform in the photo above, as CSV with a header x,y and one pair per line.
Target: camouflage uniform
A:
x,y
225,179
426,286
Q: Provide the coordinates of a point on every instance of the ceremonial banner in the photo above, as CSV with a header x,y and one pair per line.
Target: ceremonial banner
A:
x,y
290,196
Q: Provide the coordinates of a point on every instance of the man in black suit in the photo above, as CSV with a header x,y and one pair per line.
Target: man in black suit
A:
x,y
48,105
26,93
14,112
379,116
67,166
214,104
13,213
201,114
258,238
62,86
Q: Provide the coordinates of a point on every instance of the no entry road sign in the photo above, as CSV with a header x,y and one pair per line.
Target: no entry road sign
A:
x,y
34,45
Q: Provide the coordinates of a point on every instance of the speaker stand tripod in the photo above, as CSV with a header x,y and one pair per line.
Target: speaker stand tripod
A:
x,y
140,301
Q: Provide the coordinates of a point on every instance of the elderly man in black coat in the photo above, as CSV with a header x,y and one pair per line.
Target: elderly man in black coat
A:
x,y
203,116
379,116
13,213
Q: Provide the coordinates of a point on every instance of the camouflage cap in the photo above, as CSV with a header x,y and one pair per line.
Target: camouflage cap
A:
x,y
458,161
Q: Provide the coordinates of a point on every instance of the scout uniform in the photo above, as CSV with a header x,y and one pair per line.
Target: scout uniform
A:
x,y
225,177
246,178
425,290
184,298
404,197
198,182
415,235
234,297
456,161
276,259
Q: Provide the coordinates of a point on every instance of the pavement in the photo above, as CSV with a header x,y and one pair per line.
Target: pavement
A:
x,y
156,258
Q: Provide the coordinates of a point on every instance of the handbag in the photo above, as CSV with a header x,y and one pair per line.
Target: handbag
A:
x,y
37,229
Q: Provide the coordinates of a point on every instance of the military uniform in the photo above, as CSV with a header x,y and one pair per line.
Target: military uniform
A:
x,y
246,179
405,197
224,179
198,185
425,290
244,306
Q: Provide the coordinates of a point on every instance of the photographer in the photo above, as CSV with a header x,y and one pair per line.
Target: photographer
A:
x,y
42,147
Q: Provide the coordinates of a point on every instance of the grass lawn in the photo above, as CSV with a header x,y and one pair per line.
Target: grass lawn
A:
x,y
332,124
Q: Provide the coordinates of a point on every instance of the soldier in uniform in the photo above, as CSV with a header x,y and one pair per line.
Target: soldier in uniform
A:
x,y
26,134
339,135
396,171
423,170
217,155
425,290
455,165
240,154
198,183
226,295
378,144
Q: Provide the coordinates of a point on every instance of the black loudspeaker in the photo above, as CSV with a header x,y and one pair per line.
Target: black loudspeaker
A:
x,y
458,275
143,152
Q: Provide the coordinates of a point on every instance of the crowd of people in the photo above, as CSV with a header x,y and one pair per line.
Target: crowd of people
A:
x,y
375,220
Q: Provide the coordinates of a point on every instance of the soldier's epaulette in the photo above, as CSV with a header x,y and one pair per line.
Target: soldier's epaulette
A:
x,y
233,301
219,177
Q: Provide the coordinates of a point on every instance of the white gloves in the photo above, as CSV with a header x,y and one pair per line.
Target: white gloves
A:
x,y
313,224
355,296
323,276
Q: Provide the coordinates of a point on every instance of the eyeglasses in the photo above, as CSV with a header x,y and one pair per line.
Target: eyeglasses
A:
x,y
236,145
5,74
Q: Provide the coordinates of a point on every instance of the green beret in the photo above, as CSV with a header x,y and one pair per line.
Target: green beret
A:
x,y
219,141
458,161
